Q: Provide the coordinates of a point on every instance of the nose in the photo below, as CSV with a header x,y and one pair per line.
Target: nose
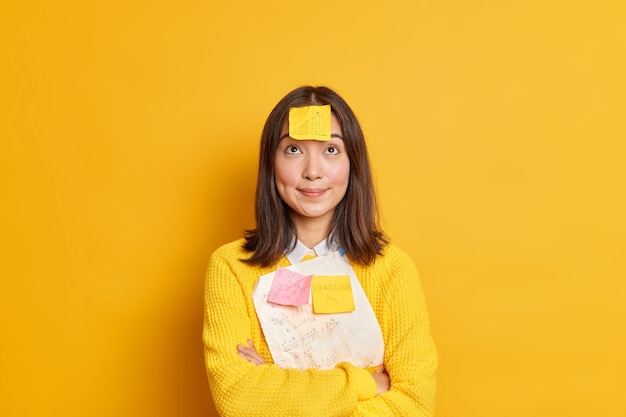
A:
x,y
313,168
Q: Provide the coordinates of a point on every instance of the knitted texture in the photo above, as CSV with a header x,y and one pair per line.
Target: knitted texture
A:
x,y
240,388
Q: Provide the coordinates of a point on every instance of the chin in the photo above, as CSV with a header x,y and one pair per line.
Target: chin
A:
x,y
313,214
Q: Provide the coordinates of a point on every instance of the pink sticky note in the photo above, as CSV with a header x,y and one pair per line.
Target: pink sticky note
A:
x,y
290,288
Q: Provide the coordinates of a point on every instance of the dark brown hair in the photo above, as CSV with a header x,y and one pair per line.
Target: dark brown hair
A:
x,y
355,224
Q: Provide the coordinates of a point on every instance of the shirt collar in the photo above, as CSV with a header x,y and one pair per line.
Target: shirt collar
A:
x,y
300,251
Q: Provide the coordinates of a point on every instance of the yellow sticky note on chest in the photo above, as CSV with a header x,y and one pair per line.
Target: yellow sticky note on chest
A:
x,y
310,122
332,294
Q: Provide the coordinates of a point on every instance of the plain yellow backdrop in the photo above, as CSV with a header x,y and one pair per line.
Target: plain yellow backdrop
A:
x,y
129,137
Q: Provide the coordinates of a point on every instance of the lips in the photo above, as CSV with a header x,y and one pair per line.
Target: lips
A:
x,y
312,192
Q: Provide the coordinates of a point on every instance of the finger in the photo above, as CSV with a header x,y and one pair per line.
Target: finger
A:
x,y
243,352
252,351
252,359
250,354
255,357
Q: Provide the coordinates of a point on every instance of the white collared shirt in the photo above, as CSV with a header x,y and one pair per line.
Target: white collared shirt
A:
x,y
300,251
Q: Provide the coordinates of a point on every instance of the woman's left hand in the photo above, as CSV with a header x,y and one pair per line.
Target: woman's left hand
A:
x,y
250,354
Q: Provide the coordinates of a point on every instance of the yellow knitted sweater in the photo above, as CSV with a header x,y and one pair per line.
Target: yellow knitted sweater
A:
x,y
240,388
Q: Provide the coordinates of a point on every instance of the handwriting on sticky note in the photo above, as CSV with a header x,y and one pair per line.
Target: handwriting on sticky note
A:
x,y
332,294
310,122
290,288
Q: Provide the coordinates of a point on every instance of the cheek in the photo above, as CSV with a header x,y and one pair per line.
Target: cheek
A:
x,y
340,174
285,174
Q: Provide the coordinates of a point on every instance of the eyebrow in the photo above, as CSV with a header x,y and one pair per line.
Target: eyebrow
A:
x,y
332,135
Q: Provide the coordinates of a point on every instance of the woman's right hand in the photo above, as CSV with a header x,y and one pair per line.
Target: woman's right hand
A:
x,y
382,382
250,354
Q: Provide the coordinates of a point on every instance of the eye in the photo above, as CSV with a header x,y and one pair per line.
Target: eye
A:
x,y
293,150
332,150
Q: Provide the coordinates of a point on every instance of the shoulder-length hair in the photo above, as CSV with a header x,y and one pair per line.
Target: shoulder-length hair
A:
x,y
355,224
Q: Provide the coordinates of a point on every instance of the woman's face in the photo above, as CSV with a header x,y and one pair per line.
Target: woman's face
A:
x,y
312,176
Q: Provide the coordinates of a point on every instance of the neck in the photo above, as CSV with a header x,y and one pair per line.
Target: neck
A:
x,y
311,231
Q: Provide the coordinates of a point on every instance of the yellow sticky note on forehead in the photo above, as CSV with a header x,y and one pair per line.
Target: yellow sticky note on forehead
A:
x,y
310,122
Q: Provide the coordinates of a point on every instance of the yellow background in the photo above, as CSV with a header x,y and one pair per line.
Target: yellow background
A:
x,y
129,142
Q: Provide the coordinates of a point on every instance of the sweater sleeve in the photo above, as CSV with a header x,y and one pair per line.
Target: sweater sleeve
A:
x,y
410,354
240,388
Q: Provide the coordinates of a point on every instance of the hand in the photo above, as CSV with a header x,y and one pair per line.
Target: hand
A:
x,y
250,354
382,382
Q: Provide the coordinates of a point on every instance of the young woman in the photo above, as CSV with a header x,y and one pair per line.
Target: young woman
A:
x,y
315,197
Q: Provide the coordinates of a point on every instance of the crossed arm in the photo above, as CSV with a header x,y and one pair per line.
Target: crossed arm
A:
x,y
250,354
